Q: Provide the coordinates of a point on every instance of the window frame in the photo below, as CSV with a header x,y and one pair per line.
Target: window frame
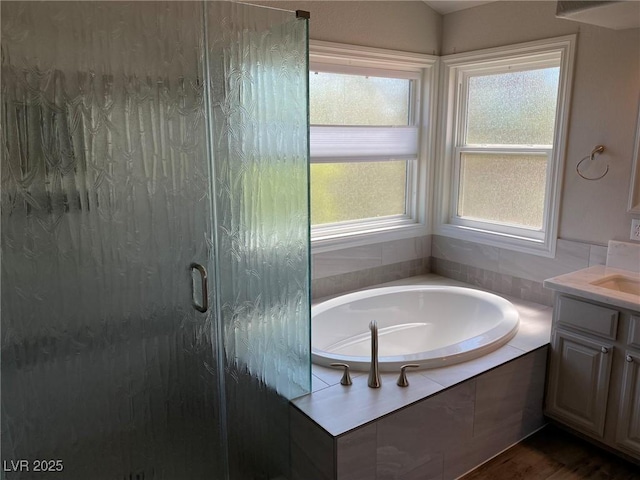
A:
x,y
350,59
456,70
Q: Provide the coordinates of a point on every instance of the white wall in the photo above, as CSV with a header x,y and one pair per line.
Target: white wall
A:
x,y
411,26
604,106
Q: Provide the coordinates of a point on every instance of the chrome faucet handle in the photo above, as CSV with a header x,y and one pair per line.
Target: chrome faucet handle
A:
x,y
402,379
346,378
374,371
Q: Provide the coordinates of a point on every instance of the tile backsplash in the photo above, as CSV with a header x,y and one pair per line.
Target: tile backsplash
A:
x,y
346,282
503,271
524,289
348,260
570,256
624,255
352,268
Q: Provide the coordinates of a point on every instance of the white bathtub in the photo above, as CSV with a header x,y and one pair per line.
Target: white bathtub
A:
x,y
432,326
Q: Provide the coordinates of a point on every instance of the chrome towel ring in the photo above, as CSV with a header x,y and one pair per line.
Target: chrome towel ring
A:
x,y
597,150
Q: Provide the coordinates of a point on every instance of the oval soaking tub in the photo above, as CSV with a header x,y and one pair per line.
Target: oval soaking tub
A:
x,y
432,326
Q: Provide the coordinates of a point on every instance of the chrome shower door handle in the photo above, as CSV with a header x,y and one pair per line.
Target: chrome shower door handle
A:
x,y
203,306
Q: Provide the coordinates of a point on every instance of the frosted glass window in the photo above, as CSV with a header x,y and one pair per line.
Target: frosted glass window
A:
x,y
350,191
503,135
503,188
360,156
510,124
339,99
515,108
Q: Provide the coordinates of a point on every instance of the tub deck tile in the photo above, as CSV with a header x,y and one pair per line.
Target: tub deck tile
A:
x,y
535,327
412,443
317,383
332,376
339,409
454,374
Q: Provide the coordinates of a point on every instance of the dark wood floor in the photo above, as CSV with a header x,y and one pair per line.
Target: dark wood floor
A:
x,y
555,454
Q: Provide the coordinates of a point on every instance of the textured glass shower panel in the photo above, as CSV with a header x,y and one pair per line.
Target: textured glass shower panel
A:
x,y
258,60
105,203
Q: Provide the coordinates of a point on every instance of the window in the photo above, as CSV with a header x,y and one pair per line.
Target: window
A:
x,y
364,147
369,110
504,121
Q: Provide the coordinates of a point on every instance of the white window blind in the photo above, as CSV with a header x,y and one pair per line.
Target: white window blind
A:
x,y
336,143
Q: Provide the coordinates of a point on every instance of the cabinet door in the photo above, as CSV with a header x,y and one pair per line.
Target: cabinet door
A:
x,y
628,432
579,381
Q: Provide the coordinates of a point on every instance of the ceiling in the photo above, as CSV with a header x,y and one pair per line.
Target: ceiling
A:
x,y
443,7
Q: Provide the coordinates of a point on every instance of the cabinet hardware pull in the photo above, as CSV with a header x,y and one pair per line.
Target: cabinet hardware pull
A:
x,y
629,358
604,350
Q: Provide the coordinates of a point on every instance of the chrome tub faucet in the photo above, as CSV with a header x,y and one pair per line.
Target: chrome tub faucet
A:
x,y
374,373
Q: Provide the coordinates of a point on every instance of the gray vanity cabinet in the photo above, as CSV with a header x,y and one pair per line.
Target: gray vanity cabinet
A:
x,y
579,381
594,372
628,432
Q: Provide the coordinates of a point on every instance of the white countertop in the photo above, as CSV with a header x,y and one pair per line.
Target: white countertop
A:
x,y
580,283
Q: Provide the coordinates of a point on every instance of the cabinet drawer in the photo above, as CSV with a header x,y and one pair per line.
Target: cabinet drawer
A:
x,y
587,317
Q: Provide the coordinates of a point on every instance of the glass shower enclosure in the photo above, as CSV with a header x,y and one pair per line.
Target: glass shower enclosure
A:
x,y
155,239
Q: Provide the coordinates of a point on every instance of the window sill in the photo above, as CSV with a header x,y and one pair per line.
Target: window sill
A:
x,y
516,243
338,241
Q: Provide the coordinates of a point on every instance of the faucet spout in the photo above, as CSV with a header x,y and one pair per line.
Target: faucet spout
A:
x,y
374,373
